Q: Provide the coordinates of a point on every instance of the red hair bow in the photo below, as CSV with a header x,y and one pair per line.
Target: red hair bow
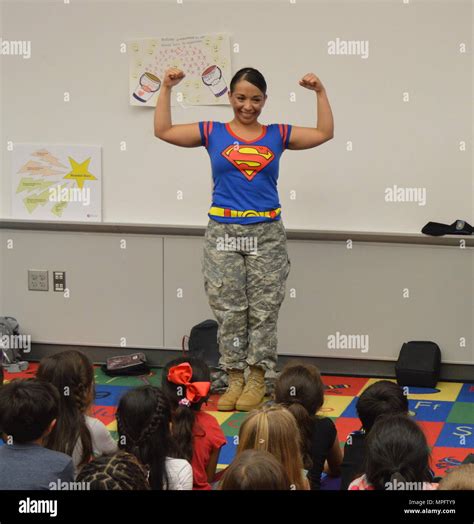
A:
x,y
181,375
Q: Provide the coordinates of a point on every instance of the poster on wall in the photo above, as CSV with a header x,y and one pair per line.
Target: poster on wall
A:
x,y
205,60
57,182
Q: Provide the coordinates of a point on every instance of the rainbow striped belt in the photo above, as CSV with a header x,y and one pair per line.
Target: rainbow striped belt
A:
x,y
227,212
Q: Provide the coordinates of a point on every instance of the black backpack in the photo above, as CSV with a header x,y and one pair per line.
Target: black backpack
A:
x,y
419,364
202,343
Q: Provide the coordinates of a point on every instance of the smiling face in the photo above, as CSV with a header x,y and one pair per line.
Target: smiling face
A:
x,y
247,102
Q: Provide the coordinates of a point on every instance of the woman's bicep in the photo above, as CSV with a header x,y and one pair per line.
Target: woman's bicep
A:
x,y
306,137
184,135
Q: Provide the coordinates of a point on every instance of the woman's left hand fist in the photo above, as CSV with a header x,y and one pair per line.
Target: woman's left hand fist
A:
x,y
311,81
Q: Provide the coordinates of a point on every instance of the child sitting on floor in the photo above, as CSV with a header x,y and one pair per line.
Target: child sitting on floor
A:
x,y
143,423
459,478
397,457
300,389
120,471
28,411
255,470
381,398
197,434
76,433
274,429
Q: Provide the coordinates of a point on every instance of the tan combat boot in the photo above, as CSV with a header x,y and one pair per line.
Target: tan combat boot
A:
x,y
236,384
254,390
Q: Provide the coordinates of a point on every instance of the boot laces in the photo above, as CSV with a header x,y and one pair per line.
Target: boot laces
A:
x,y
253,383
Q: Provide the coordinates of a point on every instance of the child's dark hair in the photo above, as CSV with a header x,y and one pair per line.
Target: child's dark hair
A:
x,y
121,471
73,375
250,75
396,445
300,389
143,423
183,416
383,397
255,470
27,408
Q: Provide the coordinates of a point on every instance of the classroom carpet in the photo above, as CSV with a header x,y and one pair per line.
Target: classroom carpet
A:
x,y
446,413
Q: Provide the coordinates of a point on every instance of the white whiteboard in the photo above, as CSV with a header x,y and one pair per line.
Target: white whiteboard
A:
x,y
381,139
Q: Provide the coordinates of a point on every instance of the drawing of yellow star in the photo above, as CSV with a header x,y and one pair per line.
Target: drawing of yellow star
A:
x,y
80,172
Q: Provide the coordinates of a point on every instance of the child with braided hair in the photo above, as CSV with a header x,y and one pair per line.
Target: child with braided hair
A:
x,y
76,433
120,471
143,423
197,434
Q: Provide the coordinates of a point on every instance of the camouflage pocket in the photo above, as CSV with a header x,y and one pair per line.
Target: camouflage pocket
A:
x,y
274,288
212,283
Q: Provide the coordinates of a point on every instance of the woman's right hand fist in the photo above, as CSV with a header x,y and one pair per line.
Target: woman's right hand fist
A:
x,y
173,76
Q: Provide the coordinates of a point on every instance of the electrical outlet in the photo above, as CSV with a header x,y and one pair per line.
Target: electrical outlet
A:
x,y
59,280
37,280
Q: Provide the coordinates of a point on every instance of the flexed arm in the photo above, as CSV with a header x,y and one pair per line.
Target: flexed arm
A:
x,y
308,137
185,135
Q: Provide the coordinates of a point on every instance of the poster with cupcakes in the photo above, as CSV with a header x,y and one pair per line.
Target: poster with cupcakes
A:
x,y
205,60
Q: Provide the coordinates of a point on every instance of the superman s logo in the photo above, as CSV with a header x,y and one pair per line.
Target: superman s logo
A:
x,y
249,160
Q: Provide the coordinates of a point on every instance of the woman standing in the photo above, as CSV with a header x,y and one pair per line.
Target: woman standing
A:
x,y
245,260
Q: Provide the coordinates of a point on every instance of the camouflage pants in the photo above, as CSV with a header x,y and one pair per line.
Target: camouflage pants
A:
x,y
245,268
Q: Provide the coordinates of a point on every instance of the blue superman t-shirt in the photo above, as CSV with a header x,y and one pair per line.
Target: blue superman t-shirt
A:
x,y
245,172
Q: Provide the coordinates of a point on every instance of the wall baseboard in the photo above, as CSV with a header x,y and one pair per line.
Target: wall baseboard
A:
x,y
328,366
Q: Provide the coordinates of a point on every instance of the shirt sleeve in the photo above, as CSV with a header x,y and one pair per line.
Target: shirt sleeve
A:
x,y
285,133
68,473
331,432
185,477
325,435
205,127
102,441
180,474
217,436
353,458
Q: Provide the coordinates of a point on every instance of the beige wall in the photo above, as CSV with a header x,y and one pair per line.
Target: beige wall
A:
x,y
151,293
